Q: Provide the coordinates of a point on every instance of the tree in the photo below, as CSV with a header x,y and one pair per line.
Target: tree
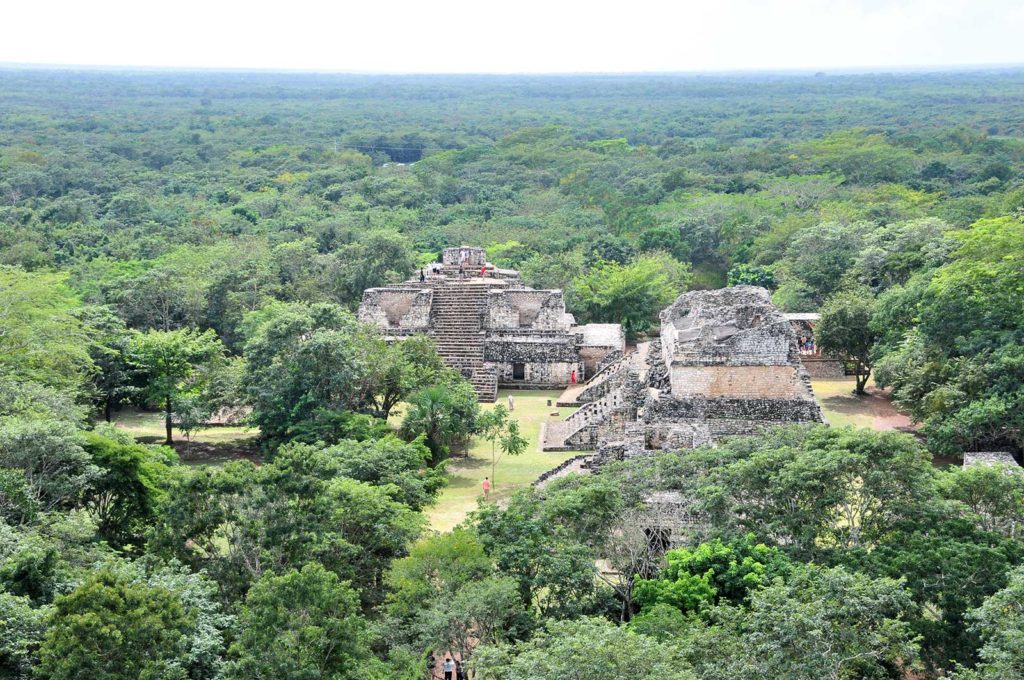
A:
x,y
486,611
388,462
1000,623
445,415
820,256
609,249
845,331
950,566
994,495
956,363
713,572
239,522
21,630
584,649
893,253
110,628
304,362
633,294
809,491
111,380
401,368
436,568
752,275
302,624
820,623
375,259
665,239
498,428
174,365
49,453
546,555
41,339
122,498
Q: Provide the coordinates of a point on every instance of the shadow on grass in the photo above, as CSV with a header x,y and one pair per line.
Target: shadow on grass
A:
x,y
467,463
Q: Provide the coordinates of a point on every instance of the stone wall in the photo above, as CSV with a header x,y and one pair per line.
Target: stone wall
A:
x,y
593,358
600,343
754,382
398,308
530,348
703,408
537,374
526,309
467,255
823,367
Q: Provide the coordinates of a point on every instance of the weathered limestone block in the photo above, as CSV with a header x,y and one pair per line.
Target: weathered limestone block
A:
x,y
974,458
527,309
406,308
822,367
748,382
703,408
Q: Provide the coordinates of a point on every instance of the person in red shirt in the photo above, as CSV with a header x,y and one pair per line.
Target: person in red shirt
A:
x,y
483,272
572,378
487,488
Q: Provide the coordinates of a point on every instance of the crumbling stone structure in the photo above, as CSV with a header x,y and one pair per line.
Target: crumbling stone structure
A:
x,y
979,458
726,363
489,326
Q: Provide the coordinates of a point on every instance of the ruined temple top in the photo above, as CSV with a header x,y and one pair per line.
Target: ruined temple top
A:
x,y
468,256
466,264
734,326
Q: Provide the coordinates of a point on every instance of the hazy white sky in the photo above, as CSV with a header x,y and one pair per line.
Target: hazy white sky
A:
x,y
508,36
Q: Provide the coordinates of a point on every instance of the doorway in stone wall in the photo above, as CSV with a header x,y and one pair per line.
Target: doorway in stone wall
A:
x,y
519,371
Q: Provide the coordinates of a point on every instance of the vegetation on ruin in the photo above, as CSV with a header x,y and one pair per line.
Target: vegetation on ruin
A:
x,y
183,253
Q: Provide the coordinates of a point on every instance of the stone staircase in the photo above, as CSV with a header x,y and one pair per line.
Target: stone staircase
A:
x,y
610,399
580,430
456,323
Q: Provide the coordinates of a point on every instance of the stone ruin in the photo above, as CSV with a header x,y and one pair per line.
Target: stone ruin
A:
x,y
726,363
489,326
990,458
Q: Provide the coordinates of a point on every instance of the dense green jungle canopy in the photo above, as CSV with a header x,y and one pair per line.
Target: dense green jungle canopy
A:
x,y
196,243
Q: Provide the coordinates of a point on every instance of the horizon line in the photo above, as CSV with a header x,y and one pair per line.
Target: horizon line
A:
x,y
810,71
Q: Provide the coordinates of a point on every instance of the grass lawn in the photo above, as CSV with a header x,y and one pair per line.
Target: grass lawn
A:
x,y
842,407
466,474
212,445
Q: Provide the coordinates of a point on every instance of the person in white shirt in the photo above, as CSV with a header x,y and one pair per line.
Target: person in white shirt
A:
x,y
448,668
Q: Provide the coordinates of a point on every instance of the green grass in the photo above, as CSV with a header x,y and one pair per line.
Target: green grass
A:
x,y
842,407
150,425
210,446
467,474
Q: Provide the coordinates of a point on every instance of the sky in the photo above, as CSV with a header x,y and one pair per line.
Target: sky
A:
x,y
514,36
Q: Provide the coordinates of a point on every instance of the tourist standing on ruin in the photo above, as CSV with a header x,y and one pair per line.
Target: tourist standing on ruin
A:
x,y
572,378
423,276
483,271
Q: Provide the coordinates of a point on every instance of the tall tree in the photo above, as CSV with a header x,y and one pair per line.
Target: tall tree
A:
x,y
497,427
302,624
845,331
41,338
174,365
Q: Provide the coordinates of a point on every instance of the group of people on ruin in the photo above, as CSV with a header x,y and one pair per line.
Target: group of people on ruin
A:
x,y
806,345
